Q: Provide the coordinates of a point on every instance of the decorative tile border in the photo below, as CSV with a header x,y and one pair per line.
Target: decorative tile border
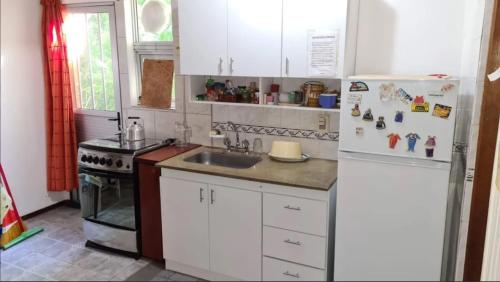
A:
x,y
277,131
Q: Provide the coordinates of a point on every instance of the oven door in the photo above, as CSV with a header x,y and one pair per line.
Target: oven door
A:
x,y
108,198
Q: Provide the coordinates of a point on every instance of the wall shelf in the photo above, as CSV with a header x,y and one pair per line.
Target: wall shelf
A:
x,y
333,110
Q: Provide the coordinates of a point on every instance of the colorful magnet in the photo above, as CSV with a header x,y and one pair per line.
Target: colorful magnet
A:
x,y
404,96
358,86
360,131
380,123
393,140
430,144
447,88
412,141
354,98
355,112
419,105
399,116
442,111
368,115
387,92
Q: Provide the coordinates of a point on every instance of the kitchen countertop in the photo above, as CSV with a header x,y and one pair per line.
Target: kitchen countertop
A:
x,y
314,174
164,153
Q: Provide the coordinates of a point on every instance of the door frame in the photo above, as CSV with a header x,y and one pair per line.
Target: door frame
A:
x,y
486,146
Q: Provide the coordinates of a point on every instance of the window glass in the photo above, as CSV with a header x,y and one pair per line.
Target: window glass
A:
x,y
154,20
90,49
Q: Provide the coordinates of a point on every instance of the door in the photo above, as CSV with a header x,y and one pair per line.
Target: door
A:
x,y
300,20
254,38
235,232
185,222
203,37
390,218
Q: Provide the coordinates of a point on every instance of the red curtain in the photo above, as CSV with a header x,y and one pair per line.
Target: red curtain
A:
x,y
61,135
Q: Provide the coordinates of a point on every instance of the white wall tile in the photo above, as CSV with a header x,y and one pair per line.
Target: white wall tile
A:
x,y
123,55
328,150
290,118
165,123
120,19
200,126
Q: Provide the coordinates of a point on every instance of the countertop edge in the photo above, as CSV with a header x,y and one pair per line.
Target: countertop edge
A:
x,y
248,178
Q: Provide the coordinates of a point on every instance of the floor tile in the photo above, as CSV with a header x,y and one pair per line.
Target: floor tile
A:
x,y
182,277
10,272
28,276
31,261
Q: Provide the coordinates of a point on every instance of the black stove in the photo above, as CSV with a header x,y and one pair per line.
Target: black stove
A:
x,y
109,197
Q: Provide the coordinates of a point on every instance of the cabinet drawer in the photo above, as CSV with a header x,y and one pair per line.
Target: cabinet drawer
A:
x,y
302,215
277,270
296,247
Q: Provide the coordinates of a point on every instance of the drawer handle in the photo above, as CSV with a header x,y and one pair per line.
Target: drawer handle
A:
x,y
287,273
288,207
297,243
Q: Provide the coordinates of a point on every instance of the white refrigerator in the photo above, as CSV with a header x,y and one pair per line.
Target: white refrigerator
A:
x,y
396,141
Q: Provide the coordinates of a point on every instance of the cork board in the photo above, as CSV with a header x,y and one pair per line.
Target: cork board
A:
x,y
157,83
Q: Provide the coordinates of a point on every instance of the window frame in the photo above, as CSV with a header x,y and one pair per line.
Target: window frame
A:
x,y
165,50
108,8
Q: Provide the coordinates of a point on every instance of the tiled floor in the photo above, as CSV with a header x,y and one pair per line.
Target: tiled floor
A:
x,y
59,254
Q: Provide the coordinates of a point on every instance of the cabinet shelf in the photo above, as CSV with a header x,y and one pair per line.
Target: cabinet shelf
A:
x,y
334,110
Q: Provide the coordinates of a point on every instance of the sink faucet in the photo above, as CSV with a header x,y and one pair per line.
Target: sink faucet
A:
x,y
243,147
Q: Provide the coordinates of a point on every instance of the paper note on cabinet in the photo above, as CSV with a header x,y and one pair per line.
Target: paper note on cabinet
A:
x,y
323,52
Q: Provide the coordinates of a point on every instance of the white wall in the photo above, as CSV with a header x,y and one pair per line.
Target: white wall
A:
x,y
410,36
22,106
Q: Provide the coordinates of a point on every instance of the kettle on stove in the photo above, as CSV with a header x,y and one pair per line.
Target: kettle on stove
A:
x,y
135,130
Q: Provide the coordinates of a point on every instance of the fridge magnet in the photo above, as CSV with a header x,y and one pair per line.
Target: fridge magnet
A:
x,y
441,111
359,131
419,105
393,140
387,92
430,144
368,115
412,141
447,88
404,96
354,98
380,123
355,111
399,116
358,86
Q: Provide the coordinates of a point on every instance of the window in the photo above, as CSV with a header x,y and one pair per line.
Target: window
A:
x,y
153,35
90,33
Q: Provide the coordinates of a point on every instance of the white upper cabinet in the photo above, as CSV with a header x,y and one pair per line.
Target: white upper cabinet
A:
x,y
254,37
301,19
203,37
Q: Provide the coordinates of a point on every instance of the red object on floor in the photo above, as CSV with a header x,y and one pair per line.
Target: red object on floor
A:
x,y
149,190
60,124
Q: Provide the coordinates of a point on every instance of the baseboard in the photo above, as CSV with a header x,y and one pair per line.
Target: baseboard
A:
x,y
196,272
65,203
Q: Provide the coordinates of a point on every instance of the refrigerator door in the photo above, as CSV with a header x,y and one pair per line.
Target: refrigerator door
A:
x,y
386,98
390,220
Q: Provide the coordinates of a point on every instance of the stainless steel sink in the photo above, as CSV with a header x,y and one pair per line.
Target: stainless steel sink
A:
x,y
226,159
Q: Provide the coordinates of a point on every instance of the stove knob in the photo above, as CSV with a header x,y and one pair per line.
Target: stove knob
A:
x,y
109,162
102,161
90,159
96,160
84,158
119,163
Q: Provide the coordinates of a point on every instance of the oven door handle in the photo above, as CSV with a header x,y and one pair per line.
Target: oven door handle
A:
x,y
108,174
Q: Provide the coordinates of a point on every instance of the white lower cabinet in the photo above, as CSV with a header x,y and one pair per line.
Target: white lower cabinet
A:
x,y
278,270
235,232
213,229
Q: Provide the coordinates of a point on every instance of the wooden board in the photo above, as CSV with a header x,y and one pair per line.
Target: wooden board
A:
x,y
488,128
157,78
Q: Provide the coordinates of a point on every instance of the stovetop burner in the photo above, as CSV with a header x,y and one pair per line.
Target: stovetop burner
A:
x,y
113,145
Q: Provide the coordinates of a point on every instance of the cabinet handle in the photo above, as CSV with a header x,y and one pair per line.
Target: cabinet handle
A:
x,y
287,66
220,65
231,61
287,273
201,195
297,243
288,207
212,199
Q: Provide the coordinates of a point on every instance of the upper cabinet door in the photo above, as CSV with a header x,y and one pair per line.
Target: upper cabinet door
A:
x,y
236,232
203,37
301,19
254,39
